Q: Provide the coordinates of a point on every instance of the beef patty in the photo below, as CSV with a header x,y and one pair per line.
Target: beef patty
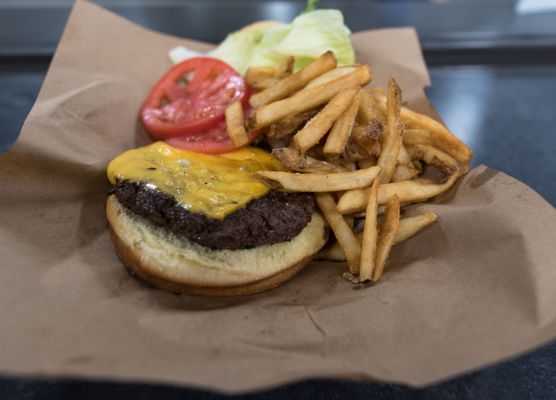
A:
x,y
273,218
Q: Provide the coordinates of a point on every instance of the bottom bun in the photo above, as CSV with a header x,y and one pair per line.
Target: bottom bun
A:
x,y
177,265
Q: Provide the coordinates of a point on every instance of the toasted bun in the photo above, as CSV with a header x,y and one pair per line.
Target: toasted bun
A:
x,y
178,265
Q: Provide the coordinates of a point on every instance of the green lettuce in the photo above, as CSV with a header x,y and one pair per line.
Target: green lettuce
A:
x,y
315,32
306,37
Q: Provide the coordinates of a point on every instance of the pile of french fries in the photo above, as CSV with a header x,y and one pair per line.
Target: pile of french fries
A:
x,y
358,149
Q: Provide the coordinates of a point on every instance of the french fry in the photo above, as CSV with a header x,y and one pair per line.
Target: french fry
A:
x,y
349,166
291,124
392,140
408,192
294,82
368,110
409,226
299,162
339,134
298,182
368,246
309,98
433,156
342,231
235,124
438,135
404,169
365,137
261,77
354,151
331,75
404,172
367,162
286,67
387,235
317,127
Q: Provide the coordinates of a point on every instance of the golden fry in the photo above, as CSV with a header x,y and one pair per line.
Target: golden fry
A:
x,y
368,246
286,67
342,231
405,170
409,226
339,134
433,156
365,137
408,192
438,135
392,140
387,235
298,182
368,110
299,162
317,127
261,77
294,82
309,98
367,162
331,75
235,124
291,124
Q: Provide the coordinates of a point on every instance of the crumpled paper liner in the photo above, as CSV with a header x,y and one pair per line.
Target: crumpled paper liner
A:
x,y
477,286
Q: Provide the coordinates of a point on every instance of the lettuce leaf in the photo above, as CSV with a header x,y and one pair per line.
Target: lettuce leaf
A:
x,y
307,37
314,33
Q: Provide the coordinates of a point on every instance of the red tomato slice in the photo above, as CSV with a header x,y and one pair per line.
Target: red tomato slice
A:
x,y
212,141
192,97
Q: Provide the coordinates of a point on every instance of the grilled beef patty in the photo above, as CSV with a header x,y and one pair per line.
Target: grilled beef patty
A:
x,y
273,218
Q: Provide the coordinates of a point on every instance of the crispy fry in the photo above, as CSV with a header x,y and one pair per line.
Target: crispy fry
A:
x,y
433,156
354,151
309,98
409,226
286,67
331,75
367,162
349,166
366,138
235,124
299,162
408,191
297,182
339,134
368,246
405,170
368,110
438,135
291,124
261,77
392,140
294,82
317,127
387,234
341,229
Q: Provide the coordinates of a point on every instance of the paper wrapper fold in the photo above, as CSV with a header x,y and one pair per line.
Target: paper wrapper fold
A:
x,y
477,286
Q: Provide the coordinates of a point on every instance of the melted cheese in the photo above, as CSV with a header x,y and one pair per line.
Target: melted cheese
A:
x,y
215,185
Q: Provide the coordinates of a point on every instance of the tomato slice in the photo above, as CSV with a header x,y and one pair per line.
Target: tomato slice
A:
x,y
212,141
192,97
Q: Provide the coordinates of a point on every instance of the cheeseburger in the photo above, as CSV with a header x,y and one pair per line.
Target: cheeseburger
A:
x,y
201,224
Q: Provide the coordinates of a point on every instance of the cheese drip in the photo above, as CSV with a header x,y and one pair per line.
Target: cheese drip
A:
x,y
215,185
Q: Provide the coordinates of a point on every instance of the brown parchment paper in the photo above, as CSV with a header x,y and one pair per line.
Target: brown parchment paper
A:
x,y
474,288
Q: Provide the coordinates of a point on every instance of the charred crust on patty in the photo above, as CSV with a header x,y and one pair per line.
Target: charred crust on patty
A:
x,y
273,218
